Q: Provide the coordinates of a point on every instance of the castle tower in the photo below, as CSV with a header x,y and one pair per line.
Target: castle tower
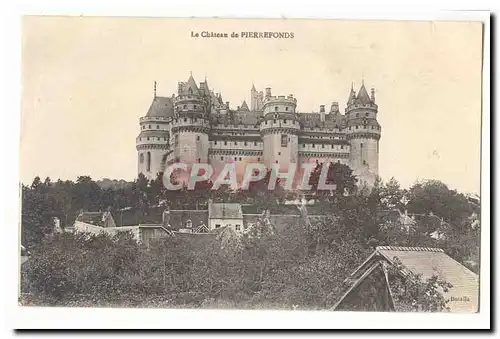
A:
x,y
256,99
279,130
191,123
152,143
363,133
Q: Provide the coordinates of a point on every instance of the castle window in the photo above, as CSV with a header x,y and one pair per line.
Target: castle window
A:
x,y
366,114
185,119
221,158
147,138
197,138
314,145
258,159
235,158
361,145
338,161
157,126
149,126
194,106
148,161
341,146
284,140
215,142
141,158
164,138
240,158
236,143
217,225
356,127
185,106
276,108
279,153
195,119
225,143
284,121
323,146
357,115
286,108
199,159
274,121
276,161
246,143
255,143
303,145
237,227
158,138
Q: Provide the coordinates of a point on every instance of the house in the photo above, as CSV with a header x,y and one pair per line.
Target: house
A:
x,y
225,214
370,288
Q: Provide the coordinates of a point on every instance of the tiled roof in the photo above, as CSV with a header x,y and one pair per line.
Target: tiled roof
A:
x,y
363,97
225,211
426,261
161,107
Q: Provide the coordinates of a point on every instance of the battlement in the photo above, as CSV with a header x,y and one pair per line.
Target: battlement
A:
x,y
355,106
281,99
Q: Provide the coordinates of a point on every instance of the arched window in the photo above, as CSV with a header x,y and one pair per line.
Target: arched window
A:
x,y
148,161
141,158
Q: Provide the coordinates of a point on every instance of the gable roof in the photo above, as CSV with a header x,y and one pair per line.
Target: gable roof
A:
x,y
225,211
427,262
161,107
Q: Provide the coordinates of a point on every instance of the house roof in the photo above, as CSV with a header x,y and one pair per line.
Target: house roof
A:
x,y
161,107
427,262
225,211
94,218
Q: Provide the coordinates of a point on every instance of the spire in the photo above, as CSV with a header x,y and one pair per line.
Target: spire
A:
x,y
244,106
363,96
352,95
154,89
253,88
191,84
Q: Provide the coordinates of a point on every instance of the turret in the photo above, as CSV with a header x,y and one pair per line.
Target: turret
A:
x,y
153,141
191,124
279,130
363,133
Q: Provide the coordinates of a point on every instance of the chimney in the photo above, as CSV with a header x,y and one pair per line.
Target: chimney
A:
x,y
227,104
268,92
335,107
322,113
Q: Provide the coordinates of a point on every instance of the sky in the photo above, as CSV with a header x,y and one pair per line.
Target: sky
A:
x,y
87,81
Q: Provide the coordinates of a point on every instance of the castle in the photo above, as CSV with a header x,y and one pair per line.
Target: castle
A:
x,y
196,125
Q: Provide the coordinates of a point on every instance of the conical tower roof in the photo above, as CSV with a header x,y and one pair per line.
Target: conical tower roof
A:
x,y
352,96
244,106
191,84
363,97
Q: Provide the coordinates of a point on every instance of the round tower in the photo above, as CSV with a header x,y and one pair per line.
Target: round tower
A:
x,y
279,130
363,132
152,143
191,124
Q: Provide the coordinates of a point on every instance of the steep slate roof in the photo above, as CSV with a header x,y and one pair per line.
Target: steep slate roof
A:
x,y
244,106
225,211
427,262
191,84
363,97
161,107
352,95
